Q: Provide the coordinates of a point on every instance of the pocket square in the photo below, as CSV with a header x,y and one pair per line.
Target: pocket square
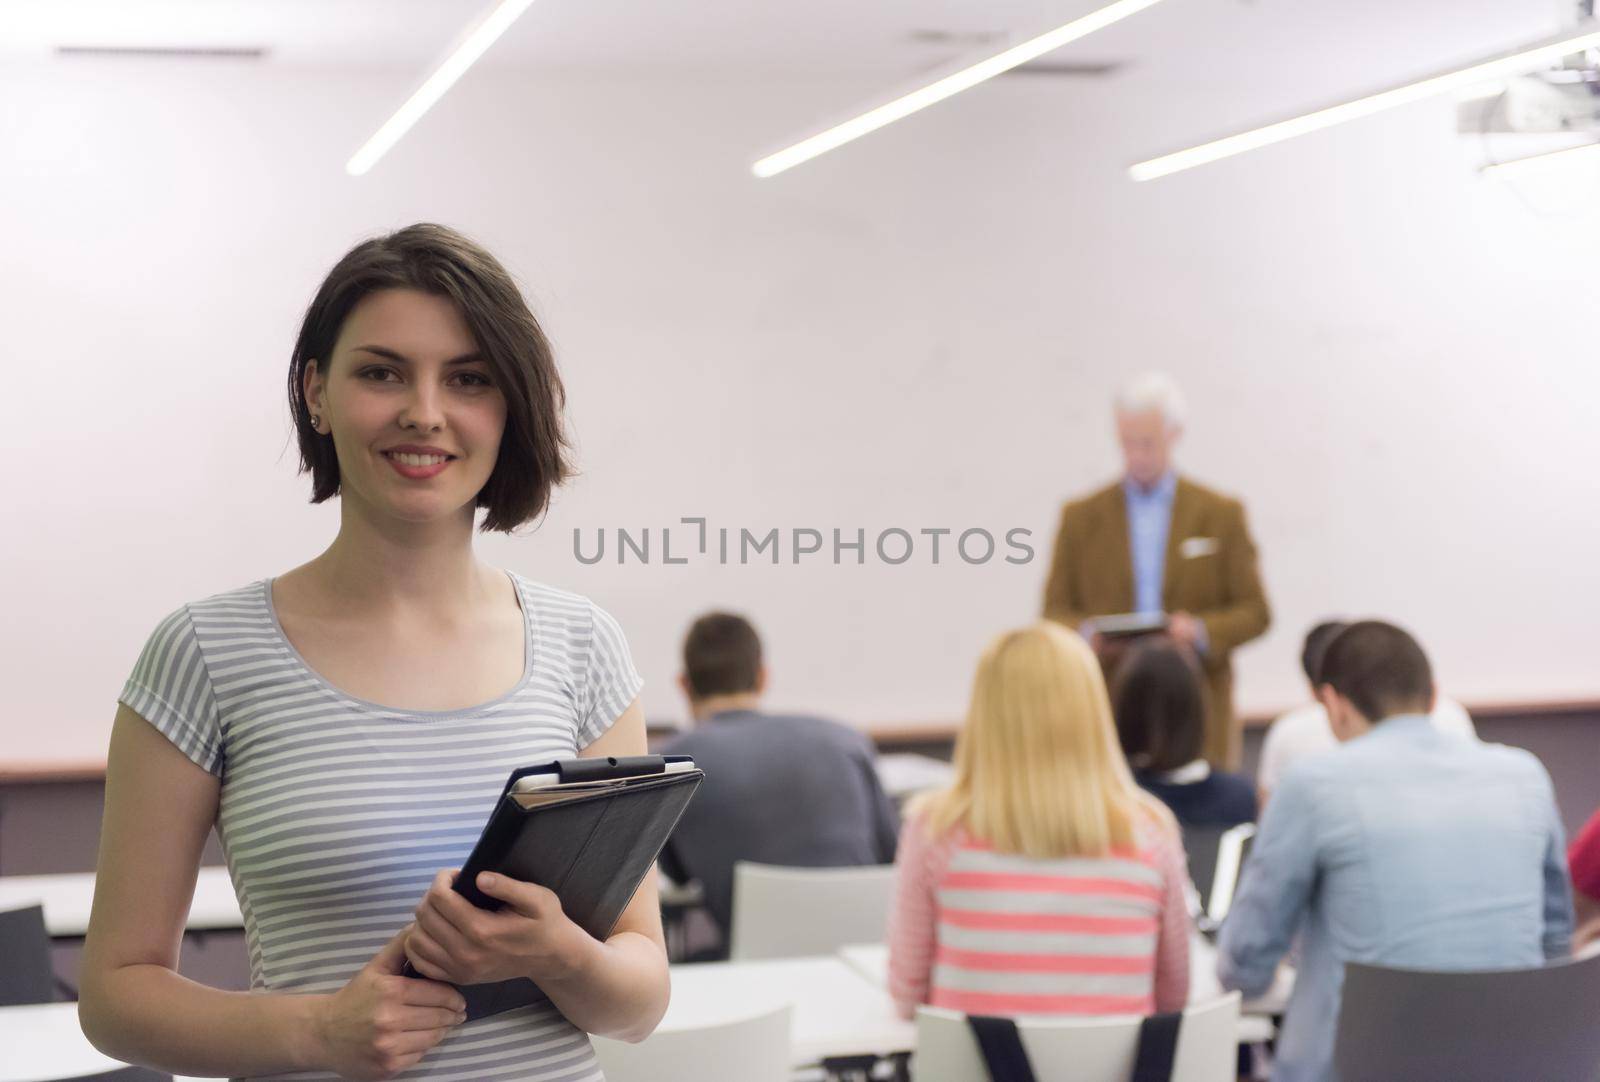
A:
x,y
1197,546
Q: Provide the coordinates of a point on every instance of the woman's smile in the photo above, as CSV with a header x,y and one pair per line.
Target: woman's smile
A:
x,y
418,467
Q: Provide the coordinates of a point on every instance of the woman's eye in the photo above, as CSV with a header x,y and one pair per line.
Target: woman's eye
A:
x,y
379,375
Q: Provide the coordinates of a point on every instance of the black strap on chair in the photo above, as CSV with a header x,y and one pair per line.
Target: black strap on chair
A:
x,y
1158,1047
1002,1049
1007,1060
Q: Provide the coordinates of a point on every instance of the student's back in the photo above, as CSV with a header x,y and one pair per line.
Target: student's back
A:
x,y
1042,880
1403,847
1201,797
779,789
987,932
1433,845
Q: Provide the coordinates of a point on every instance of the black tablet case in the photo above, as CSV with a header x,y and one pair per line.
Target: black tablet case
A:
x,y
593,850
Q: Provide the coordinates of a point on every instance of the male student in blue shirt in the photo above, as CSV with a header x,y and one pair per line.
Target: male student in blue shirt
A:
x,y
1404,847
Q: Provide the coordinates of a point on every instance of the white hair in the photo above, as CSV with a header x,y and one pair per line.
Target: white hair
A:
x,y
1153,392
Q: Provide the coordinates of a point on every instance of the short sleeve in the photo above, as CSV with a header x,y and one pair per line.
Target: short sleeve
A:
x,y
171,689
610,681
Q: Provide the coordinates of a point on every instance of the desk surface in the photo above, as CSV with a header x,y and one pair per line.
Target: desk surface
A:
x,y
836,1011
44,1042
67,899
841,1008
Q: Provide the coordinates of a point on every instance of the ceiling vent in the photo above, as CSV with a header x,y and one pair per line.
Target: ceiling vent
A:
x,y
973,41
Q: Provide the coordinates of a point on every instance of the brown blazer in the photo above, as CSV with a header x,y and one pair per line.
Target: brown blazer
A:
x,y
1210,573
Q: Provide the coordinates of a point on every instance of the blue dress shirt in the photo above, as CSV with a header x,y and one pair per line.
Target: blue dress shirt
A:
x,y
1405,847
1149,522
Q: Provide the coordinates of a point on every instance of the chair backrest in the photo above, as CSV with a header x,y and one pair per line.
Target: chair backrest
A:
x,y
756,1048
795,912
25,976
1470,1027
1083,1049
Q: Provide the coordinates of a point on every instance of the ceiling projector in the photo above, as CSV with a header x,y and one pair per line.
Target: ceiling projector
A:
x,y
1564,99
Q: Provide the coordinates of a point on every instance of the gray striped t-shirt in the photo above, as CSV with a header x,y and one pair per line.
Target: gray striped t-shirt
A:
x,y
337,812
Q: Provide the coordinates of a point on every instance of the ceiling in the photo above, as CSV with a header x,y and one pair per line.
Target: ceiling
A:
x,y
823,36
1275,54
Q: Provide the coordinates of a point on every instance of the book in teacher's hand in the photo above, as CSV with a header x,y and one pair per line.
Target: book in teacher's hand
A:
x,y
587,829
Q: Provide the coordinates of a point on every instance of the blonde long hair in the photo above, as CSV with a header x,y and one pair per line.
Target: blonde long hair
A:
x,y
1038,767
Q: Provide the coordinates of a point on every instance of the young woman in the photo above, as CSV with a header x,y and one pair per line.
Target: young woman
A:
x,y
347,725
1159,704
1043,881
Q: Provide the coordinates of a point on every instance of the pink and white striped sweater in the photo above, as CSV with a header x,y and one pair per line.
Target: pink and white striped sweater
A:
x,y
995,933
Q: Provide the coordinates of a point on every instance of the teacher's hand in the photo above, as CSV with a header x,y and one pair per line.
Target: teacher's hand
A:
x,y
1186,630
455,941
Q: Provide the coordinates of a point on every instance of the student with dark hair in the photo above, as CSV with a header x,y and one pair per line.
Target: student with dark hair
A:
x,y
1407,847
345,726
1159,704
780,789
1304,731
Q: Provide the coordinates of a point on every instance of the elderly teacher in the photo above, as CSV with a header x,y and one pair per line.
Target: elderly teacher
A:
x,y
1159,545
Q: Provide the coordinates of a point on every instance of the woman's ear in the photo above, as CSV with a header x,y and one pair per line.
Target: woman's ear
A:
x,y
311,386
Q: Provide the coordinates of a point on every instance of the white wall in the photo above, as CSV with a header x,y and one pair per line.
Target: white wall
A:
x,y
1390,360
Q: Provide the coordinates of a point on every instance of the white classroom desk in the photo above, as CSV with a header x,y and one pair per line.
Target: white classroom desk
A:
x,y
67,898
871,960
837,1012
43,1042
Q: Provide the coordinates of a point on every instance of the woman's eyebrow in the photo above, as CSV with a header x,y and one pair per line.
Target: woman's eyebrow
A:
x,y
383,351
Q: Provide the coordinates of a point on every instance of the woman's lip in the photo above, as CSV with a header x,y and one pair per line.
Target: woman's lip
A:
x,y
417,473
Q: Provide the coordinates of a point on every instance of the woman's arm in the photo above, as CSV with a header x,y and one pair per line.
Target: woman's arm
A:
x,y
912,921
1172,935
135,1007
618,988
621,987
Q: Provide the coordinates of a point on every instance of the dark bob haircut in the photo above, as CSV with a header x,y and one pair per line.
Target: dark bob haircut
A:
x,y
1160,707
721,655
534,453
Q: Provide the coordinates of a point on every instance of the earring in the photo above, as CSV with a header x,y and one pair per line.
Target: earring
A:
x,y
316,422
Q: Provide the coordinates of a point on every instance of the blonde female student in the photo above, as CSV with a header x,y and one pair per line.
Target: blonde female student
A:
x,y
348,724
1043,881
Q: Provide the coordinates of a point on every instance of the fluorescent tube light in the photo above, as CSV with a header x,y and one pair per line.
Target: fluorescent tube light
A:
x,y
1582,151
473,44
949,85
1514,63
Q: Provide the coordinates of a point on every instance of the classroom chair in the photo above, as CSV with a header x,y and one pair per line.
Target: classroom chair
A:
x,y
754,1048
1082,1049
26,976
1470,1027
797,912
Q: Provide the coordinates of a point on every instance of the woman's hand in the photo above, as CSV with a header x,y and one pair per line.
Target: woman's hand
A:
x,y
453,940
380,1023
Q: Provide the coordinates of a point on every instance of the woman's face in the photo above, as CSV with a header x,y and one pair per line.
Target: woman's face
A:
x,y
405,373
